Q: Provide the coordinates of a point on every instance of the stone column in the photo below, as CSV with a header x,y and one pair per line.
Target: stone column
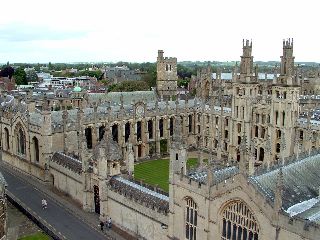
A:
x,y
144,139
95,135
157,136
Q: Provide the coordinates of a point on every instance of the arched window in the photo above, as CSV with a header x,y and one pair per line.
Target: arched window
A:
x,y
190,123
88,134
171,126
7,144
127,131
101,132
35,149
238,222
161,127
191,216
21,142
114,131
150,129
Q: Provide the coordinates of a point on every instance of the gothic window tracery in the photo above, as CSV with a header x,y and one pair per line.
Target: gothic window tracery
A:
x,y
21,142
191,218
238,222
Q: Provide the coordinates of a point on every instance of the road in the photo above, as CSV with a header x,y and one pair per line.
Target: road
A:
x,y
57,216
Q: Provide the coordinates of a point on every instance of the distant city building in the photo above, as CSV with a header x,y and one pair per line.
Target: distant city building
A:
x,y
119,74
261,179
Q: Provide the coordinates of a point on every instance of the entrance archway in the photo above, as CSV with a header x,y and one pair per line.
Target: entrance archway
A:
x,y
96,199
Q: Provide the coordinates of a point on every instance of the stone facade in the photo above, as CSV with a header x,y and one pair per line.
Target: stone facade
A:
x,y
89,152
3,208
166,75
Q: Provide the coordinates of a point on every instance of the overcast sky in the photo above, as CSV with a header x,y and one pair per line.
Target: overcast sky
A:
x,y
134,30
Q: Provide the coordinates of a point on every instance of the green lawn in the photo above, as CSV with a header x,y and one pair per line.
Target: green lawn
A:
x,y
37,236
156,172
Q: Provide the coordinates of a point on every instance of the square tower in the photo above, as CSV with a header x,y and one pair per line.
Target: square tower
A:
x,y
167,76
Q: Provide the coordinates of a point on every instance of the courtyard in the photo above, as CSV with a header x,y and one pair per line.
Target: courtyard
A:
x,y
156,172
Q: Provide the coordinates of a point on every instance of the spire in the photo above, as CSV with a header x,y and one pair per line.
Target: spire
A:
x,y
268,149
283,146
210,169
106,135
243,155
121,102
279,191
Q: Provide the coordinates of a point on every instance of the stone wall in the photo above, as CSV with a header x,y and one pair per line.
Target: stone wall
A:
x,y
67,181
135,218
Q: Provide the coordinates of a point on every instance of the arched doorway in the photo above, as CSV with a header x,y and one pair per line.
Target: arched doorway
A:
x,y
35,149
96,199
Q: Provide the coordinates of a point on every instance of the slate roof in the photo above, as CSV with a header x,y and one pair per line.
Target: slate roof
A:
x,y
301,181
112,149
139,193
218,175
128,97
66,161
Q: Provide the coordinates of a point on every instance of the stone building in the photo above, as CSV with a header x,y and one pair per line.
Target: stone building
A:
x,y
167,77
262,180
3,208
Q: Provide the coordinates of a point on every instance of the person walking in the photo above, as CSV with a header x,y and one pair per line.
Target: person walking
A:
x,y
101,225
109,223
44,203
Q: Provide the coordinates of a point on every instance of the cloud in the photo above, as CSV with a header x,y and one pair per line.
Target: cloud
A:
x,y
21,32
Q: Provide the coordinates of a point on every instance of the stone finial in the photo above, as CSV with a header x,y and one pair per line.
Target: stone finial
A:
x,y
283,146
106,135
64,115
45,105
83,143
156,106
243,144
244,154
268,145
279,191
177,133
256,70
121,101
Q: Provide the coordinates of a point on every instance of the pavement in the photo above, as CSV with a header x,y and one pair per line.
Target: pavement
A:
x,y
62,215
18,224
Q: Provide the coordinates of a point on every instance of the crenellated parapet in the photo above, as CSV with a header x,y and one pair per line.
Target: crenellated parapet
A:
x,y
139,194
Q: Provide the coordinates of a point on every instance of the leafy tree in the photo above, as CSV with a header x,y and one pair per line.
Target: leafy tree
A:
x,y
37,67
183,82
129,86
6,71
31,76
104,82
20,76
97,74
185,72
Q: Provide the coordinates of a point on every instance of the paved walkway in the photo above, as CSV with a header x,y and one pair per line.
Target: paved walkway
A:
x,y
62,215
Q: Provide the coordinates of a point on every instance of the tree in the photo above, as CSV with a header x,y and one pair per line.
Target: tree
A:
x,y
129,86
31,76
183,82
185,72
20,76
6,71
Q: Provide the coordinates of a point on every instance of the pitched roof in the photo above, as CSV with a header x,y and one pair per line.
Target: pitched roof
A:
x,y
301,181
66,161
